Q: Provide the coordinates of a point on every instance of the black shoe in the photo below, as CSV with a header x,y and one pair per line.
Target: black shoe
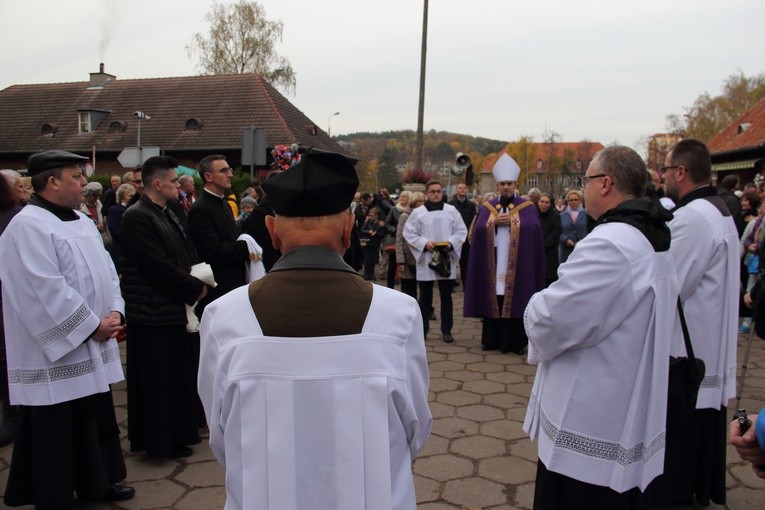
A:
x,y
448,338
179,452
118,493
432,316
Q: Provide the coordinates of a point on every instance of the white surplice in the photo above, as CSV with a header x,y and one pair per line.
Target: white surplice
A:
x,y
600,335
438,226
705,249
58,283
316,423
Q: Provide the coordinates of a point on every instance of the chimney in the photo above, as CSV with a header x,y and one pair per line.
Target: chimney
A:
x,y
101,78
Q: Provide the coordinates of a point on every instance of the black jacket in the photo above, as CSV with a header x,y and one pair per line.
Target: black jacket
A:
x,y
255,225
214,233
466,208
551,231
155,264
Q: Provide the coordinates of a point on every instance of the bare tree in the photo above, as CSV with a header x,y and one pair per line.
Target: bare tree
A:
x,y
241,40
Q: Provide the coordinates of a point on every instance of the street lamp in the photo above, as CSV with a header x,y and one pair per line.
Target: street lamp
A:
x,y
329,123
139,116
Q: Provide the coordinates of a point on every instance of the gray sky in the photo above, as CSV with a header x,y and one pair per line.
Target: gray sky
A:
x,y
603,70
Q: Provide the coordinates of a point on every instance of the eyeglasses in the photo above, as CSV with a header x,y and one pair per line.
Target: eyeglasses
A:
x,y
665,168
435,191
226,170
587,178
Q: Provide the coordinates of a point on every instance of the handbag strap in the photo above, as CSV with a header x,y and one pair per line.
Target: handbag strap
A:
x,y
686,335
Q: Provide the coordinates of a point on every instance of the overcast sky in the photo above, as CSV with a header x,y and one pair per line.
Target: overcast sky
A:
x,y
603,70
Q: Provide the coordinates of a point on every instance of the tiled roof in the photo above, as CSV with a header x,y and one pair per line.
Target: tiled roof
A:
x,y
542,152
748,131
223,104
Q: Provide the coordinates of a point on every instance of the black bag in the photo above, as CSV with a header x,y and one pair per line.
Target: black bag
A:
x,y
440,263
685,376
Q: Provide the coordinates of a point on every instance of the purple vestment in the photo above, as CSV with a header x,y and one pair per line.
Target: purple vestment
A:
x,y
527,267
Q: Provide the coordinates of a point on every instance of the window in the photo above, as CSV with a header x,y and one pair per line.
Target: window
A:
x,y
117,127
532,181
48,130
84,122
194,124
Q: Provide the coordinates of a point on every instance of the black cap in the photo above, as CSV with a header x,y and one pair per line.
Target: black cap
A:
x,y
323,183
47,160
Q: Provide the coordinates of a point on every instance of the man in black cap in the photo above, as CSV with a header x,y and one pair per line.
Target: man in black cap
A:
x,y
314,381
62,308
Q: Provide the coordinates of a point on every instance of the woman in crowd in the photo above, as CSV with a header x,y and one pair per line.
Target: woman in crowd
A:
x,y
752,242
11,202
16,182
574,223
124,193
389,243
404,257
551,230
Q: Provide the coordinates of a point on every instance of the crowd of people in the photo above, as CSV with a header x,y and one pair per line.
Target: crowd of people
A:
x,y
150,258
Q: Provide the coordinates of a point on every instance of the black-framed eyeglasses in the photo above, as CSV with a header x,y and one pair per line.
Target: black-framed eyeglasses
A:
x,y
226,170
665,168
587,178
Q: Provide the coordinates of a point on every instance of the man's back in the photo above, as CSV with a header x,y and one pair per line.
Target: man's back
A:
x,y
328,406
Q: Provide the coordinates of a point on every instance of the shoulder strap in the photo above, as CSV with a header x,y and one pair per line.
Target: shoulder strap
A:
x,y
686,335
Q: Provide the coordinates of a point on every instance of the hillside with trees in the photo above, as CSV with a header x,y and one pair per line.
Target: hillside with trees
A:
x,y
384,156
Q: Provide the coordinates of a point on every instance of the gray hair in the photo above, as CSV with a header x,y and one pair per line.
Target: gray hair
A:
x,y
123,190
625,167
93,188
11,175
183,179
535,191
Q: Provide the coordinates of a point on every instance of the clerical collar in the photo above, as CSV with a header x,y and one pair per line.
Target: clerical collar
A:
x,y
62,213
311,257
434,206
705,190
221,197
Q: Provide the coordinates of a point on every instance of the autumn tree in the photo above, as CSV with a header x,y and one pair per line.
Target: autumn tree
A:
x,y
387,176
709,115
241,40
524,152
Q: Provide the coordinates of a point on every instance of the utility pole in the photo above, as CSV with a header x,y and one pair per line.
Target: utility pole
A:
x,y
421,109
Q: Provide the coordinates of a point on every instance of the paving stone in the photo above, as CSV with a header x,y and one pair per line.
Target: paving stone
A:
x,y
435,445
438,385
465,357
506,400
454,427
743,498
443,467
524,448
480,413
447,366
474,492
508,470
524,496
207,498
503,429
506,377
458,398
522,389
202,474
154,494
435,356
139,468
439,410
464,375
426,489
745,476
120,397
517,413
439,506
483,387
478,447
485,368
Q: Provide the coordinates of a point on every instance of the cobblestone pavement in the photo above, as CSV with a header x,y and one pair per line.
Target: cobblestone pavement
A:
x,y
476,458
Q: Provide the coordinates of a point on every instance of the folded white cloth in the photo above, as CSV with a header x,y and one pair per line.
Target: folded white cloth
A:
x,y
204,272
255,268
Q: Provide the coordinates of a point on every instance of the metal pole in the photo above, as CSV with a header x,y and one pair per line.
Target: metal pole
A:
x,y
421,108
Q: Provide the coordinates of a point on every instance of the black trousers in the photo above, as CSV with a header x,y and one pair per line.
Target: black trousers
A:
x,y
445,288
371,257
409,287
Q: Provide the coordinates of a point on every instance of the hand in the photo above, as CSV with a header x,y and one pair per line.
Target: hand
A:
x,y
430,246
109,327
570,243
752,248
502,218
748,300
381,223
747,447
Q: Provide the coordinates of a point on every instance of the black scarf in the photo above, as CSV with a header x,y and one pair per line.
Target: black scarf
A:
x,y
62,213
434,206
645,214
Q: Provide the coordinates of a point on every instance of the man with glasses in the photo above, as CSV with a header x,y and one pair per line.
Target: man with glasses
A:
x,y
436,227
506,262
214,231
705,250
600,336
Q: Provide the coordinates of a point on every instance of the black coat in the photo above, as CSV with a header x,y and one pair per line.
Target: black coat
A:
x,y
255,225
156,279
467,210
214,232
551,231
